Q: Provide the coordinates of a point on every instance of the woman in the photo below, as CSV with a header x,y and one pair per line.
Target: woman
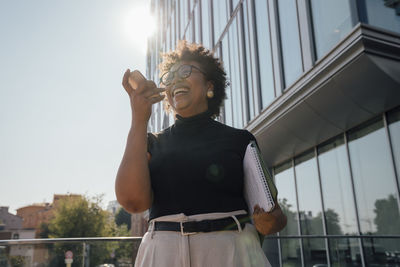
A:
x,y
190,175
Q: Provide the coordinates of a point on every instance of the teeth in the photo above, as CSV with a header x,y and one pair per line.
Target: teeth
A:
x,y
179,90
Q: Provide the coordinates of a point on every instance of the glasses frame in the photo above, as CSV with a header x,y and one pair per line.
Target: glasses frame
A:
x,y
180,76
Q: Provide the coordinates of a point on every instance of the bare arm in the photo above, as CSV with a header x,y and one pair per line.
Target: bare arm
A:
x,y
132,185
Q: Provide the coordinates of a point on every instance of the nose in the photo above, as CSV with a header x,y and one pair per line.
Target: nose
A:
x,y
177,78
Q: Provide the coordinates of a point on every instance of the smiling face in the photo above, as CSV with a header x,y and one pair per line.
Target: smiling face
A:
x,y
188,97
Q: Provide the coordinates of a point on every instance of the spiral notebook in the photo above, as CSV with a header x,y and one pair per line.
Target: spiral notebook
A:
x,y
259,187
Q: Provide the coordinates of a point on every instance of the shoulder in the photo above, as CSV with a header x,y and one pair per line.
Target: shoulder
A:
x,y
234,132
153,138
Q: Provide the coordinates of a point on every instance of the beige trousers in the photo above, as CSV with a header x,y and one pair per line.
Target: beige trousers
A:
x,y
215,249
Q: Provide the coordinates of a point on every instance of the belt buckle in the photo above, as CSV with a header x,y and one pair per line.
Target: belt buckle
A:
x,y
186,233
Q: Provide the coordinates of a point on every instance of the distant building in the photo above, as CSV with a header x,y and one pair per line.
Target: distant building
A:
x,y
113,207
11,227
8,220
35,214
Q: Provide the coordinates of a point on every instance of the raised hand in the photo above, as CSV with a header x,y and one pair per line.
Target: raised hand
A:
x,y
142,97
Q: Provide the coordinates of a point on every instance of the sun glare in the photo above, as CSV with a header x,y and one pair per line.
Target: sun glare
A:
x,y
138,25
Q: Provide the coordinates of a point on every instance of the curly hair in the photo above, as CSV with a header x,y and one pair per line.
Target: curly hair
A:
x,y
214,71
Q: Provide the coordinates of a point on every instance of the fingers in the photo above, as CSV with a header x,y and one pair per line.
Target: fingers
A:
x,y
156,99
145,85
257,209
125,82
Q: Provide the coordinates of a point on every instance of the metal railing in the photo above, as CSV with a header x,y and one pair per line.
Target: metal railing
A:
x,y
94,251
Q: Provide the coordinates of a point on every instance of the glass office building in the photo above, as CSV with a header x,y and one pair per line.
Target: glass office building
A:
x,y
318,83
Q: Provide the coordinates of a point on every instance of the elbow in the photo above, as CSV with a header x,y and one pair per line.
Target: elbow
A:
x,y
132,205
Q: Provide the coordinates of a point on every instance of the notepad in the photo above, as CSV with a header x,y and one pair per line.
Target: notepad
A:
x,y
259,187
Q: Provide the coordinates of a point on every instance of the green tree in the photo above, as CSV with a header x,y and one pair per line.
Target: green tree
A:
x,y
387,217
80,217
123,217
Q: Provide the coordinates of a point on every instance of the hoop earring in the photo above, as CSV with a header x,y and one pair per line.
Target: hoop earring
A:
x,y
210,94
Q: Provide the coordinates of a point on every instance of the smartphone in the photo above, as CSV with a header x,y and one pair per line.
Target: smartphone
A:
x,y
134,78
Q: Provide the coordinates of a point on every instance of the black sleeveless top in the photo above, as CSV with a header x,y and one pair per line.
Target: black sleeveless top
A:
x,y
196,167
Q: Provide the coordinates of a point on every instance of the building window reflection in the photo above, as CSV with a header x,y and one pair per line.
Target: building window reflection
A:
x,y
394,131
376,189
290,40
331,27
205,20
235,73
264,52
384,14
310,208
290,248
339,209
220,16
251,67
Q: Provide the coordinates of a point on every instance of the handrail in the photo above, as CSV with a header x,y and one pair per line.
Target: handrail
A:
x,y
69,239
331,236
137,238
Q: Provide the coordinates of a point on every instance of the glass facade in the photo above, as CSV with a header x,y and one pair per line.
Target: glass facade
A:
x,y
384,14
264,52
290,40
344,191
330,27
356,177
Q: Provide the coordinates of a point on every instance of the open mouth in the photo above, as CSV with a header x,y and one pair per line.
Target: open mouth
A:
x,y
179,91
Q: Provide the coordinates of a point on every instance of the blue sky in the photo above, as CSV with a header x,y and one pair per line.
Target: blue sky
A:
x,y
64,115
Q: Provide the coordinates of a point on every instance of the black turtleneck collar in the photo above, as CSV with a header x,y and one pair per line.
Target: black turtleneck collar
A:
x,y
198,119
193,123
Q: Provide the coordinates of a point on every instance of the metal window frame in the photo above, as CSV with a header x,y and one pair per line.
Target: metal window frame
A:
x,y
396,177
327,246
360,244
298,214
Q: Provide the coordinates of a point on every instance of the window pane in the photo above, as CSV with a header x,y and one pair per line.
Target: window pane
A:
x,y
337,191
314,252
290,248
332,20
394,129
339,206
250,61
189,32
197,25
284,180
381,252
374,180
220,10
310,208
385,14
235,76
183,10
291,253
228,100
290,40
205,20
376,189
264,53
345,252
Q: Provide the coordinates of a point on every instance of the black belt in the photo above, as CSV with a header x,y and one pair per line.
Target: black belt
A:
x,y
204,226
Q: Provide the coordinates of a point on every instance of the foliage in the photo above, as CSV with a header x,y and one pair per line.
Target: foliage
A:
x,y
17,261
123,217
44,230
387,217
80,217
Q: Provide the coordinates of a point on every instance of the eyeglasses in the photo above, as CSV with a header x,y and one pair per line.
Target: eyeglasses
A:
x,y
183,72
